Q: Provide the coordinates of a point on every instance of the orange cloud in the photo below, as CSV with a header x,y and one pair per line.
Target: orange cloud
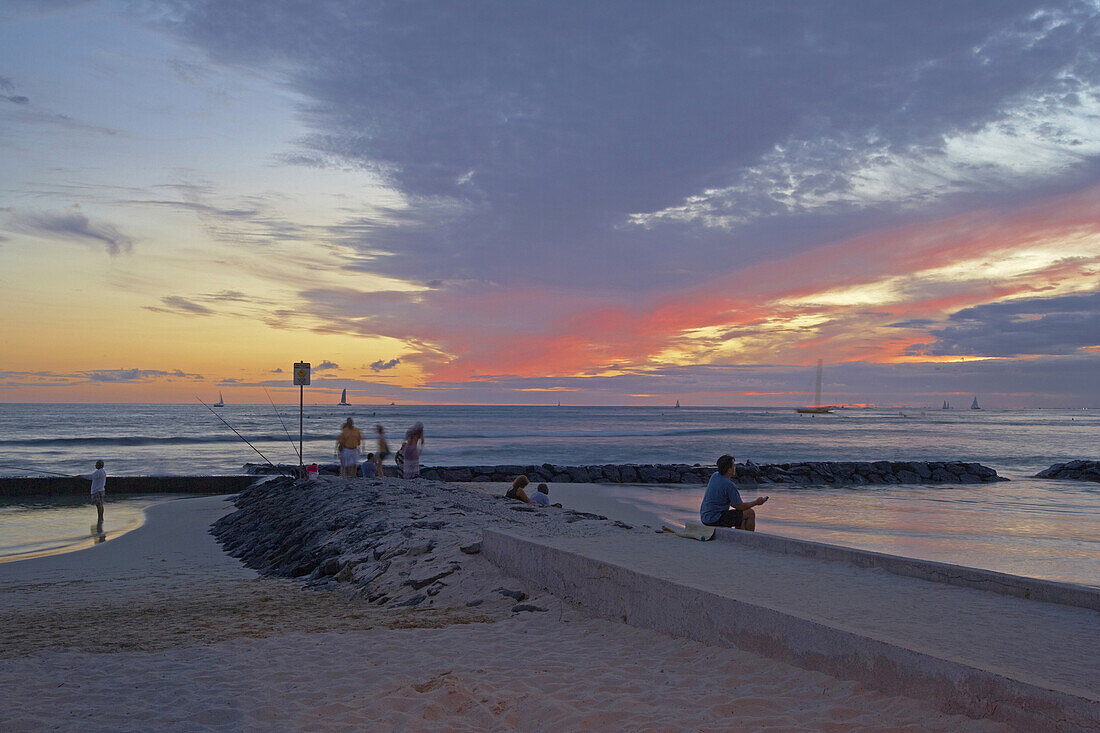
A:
x,y
837,301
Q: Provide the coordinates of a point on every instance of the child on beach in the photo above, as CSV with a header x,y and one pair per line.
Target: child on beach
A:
x,y
383,451
98,477
541,496
369,467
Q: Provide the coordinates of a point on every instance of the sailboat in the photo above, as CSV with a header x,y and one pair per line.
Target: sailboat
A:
x,y
344,399
817,409
677,403
946,405
220,402
974,404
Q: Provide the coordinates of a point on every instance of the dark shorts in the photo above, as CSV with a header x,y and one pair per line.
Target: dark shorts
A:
x,y
730,518
97,498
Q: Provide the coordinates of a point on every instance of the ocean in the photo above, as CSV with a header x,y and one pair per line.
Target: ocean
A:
x,y
1025,526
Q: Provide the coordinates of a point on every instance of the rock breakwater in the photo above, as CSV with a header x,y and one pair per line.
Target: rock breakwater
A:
x,y
854,473
1073,471
394,543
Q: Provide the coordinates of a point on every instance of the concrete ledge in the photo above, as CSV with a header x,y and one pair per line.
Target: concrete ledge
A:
x,y
616,592
64,486
1048,591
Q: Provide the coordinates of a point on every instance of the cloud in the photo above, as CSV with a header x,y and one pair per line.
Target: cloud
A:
x,y
326,365
130,375
534,169
180,306
75,225
1019,327
380,365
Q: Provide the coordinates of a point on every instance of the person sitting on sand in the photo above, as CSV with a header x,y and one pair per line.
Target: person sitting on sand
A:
x,y
519,483
722,505
541,496
414,443
347,448
369,467
98,477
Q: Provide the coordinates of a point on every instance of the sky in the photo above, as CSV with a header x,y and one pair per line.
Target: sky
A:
x,y
625,203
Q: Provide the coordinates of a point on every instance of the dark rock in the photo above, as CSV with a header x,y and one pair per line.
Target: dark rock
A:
x,y
421,549
472,604
516,594
520,607
414,601
419,581
471,549
578,474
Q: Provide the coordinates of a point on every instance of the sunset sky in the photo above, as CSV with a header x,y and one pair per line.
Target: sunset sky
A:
x,y
525,202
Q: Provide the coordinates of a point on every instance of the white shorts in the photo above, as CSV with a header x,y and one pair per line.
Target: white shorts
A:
x,y
349,457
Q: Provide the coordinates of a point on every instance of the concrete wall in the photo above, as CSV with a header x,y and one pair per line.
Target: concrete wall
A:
x,y
1068,594
615,592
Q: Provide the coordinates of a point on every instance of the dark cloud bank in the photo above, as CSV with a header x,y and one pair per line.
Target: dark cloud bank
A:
x,y
525,134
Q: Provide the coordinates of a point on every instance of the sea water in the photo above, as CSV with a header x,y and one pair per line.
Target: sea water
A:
x,y
1025,526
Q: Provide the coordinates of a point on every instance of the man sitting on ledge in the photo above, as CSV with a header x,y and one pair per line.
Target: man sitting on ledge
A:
x,y
722,505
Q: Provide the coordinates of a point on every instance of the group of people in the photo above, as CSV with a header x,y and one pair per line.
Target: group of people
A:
x,y
407,457
722,505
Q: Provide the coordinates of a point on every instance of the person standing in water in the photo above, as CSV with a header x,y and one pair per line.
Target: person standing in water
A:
x,y
414,443
98,477
383,451
347,447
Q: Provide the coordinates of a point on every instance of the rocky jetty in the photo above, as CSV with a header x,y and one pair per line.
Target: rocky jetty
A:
x,y
394,543
810,473
1073,471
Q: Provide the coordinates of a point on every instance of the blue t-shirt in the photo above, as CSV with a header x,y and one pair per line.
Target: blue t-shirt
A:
x,y
721,495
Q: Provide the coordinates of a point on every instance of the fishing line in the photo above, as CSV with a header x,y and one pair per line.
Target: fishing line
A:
x,y
35,470
283,424
208,407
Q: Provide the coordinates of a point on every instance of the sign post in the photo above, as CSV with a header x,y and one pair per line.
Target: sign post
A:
x,y
301,378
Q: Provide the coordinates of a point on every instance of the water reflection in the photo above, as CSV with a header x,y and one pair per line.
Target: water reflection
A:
x,y
1016,528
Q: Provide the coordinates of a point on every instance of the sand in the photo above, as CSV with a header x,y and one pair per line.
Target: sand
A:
x,y
160,629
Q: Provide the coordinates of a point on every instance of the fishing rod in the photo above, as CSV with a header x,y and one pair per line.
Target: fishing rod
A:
x,y
208,407
36,470
279,415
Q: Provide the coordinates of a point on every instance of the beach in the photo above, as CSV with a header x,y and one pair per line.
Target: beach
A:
x,y
161,627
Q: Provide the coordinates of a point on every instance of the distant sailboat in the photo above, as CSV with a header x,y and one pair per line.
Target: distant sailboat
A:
x,y
817,409
974,404
946,405
344,399
220,402
677,403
